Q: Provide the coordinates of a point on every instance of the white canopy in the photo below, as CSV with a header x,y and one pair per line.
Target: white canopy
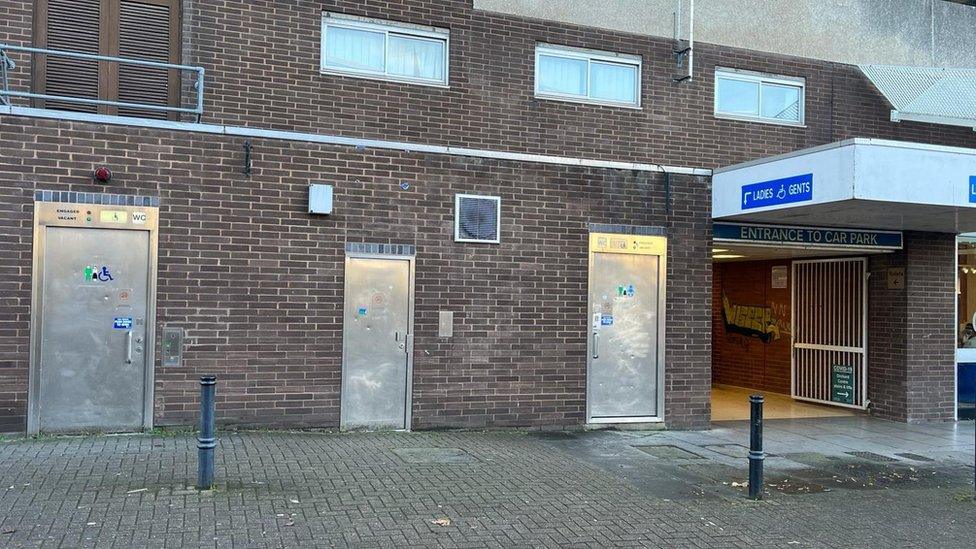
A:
x,y
857,183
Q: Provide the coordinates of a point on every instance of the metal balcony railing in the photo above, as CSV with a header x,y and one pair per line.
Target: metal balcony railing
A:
x,y
7,64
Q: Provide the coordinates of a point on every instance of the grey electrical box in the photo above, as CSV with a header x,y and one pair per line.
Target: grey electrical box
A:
x,y
445,324
319,199
172,346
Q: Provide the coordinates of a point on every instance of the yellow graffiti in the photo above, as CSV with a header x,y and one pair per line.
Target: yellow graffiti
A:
x,y
750,320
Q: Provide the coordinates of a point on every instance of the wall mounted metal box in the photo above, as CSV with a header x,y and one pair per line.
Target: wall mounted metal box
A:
x,y
320,199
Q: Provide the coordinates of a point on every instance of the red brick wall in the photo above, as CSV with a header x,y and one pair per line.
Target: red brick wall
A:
x,y
257,283
912,333
887,341
746,360
262,61
930,327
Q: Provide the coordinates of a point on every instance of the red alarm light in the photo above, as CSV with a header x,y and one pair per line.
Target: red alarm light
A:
x,y
102,174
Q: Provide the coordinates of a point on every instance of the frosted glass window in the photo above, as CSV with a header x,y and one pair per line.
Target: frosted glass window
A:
x,y
590,77
752,96
388,51
355,49
737,96
562,75
613,82
781,102
416,58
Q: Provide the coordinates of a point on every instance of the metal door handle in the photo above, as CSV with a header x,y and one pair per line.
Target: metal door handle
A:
x,y
128,347
596,344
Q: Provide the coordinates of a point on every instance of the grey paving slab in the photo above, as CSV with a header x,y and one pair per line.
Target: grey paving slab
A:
x,y
493,489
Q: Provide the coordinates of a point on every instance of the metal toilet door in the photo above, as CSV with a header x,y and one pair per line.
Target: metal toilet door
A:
x,y
376,343
92,350
625,347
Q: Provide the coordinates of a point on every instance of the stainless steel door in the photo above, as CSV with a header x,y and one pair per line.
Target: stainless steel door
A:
x,y
376,343
94,302
625,347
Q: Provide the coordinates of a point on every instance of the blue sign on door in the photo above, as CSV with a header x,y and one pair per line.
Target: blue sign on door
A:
x,y
972,189
123,323
798,188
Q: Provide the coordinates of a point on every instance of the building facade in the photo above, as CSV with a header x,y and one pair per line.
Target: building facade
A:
x,y
560,134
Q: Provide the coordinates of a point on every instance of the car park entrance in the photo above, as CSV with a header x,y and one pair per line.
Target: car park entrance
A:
x,y
790,318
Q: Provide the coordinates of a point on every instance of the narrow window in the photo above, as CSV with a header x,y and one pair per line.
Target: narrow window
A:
x,y
355,46
146,30
570,74
756,97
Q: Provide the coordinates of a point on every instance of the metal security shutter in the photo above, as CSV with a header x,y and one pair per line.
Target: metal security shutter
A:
x,y
69,25
146,31
476,218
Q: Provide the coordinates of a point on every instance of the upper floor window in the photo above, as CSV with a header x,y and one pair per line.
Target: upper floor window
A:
x,y
572,74
746,95
147,30
385,50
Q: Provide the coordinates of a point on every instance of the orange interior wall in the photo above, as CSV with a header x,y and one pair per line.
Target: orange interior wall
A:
x,y
755,352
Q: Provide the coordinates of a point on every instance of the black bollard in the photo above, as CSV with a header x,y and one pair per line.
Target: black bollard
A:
x,y
756,455
207,441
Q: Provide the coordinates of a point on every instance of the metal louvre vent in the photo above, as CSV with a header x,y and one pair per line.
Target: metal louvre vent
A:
x,y
476,218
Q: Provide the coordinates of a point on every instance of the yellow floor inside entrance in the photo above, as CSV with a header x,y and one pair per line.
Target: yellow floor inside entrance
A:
x,y
732,404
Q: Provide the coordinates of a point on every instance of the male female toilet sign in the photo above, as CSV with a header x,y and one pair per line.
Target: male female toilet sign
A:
x,y
98,274
798,188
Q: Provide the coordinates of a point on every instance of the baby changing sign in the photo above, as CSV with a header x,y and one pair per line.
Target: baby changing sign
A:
x,y
778,191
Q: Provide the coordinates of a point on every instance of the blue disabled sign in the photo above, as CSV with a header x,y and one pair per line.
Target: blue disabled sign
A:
x,y
798,188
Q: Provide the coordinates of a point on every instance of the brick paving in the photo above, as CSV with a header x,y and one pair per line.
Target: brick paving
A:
x,y
497,489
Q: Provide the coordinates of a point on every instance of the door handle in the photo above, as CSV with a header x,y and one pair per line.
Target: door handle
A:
x,y
396,337
596,344
128,347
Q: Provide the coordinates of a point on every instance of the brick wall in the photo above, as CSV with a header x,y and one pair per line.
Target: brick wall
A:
x,y
257,283
930,326
911,331
887,341
262,64
262,60
748,360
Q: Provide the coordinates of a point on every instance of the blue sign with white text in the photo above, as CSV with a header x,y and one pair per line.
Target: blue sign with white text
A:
x,y
123,323
798,188
972,189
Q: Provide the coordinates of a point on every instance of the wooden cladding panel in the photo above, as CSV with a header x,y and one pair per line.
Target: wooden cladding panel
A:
x,y
144,33
134,29
72,25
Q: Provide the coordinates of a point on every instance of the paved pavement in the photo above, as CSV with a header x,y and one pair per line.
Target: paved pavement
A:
x,y
911,487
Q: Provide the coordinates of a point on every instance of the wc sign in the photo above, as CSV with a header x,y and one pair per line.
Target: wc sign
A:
x,y
139,218
798,188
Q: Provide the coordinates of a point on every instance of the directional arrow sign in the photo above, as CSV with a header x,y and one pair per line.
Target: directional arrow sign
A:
x,y
842,383
798,188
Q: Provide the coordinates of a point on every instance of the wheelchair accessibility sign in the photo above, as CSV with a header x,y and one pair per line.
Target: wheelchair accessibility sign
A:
x,y
778,191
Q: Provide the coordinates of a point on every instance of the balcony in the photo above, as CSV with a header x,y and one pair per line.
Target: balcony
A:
x,y
190,95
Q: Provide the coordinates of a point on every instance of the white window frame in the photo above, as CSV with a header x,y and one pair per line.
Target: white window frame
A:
x,y
589,56
457,218
759,79
387,28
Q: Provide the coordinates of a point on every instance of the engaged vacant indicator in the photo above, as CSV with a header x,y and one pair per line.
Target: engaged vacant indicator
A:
x,y
842,383
778,191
